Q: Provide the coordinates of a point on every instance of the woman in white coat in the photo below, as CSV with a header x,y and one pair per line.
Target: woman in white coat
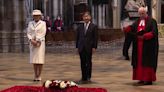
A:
x,y
36,32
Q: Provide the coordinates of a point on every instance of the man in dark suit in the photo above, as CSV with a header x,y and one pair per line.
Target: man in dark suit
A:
x,y
86,44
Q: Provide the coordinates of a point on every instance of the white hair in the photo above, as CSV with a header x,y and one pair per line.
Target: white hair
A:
x,y
143,9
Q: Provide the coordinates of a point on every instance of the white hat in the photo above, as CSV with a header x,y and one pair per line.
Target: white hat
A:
x,y
36,12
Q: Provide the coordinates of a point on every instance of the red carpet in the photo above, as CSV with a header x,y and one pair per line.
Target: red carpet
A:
x,y
42,89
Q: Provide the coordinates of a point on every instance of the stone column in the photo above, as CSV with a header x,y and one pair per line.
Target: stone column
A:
x,y
48,7
1,14
1,23
110,14
116,14
61,7
28,8
100,16
67,13
55,8
12,34
107,16
157,10
8,26
22,27
103,16
80,1
119,15
93,14
45,7
17,15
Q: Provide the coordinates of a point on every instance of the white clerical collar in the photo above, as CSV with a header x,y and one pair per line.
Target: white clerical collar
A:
x,y
142,22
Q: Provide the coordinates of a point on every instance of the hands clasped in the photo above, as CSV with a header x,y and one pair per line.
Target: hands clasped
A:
x,y
35,43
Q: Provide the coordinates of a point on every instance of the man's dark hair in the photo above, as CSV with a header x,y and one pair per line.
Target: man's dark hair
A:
x,y
86,12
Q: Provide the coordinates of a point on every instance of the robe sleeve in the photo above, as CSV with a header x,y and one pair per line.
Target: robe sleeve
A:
x,y
127,29
148,35
153,33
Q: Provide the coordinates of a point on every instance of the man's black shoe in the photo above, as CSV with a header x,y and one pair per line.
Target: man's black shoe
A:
x,y
142,83
84,82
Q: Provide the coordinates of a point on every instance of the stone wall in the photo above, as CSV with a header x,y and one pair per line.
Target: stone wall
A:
x,y
104,35
12,25
12,28
110,34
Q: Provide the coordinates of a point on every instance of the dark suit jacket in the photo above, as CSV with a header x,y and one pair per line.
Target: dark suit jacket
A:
x,y
88,40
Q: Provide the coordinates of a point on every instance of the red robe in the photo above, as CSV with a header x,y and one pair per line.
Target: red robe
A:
x,y
145,49
140,72
58,23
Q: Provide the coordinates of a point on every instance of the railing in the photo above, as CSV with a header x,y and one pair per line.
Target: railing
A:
x,y
13,42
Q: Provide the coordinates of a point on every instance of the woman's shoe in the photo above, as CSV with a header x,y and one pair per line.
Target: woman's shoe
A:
x,y
39,79
35,79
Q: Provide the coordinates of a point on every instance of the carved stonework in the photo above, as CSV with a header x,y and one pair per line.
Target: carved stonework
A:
x,y
154,4
154,9
80,1
12,26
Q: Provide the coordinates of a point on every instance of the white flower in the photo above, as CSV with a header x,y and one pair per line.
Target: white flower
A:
x,y
73,83
59,84
63,85
57,81
47,83
67,82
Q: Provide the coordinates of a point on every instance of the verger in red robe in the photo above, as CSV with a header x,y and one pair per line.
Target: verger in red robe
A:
x,y
145,49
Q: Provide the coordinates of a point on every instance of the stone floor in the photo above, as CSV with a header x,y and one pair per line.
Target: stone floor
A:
x,y
110,71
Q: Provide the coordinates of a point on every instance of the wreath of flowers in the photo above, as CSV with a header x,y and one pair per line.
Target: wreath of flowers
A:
x,y
59,84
